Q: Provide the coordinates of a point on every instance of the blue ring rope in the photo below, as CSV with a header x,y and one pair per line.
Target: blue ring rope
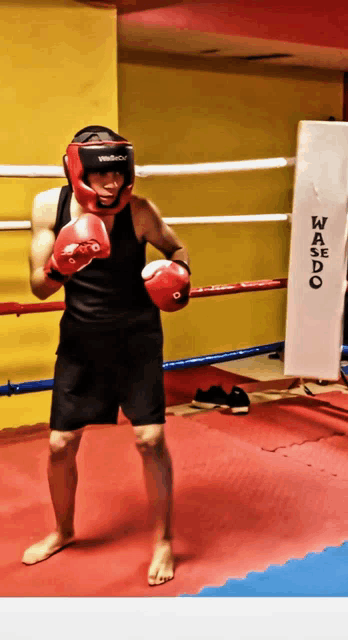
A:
x,y
10,389
221,357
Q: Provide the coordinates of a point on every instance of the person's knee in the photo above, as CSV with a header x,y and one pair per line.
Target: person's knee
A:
x,y
149,438
64,443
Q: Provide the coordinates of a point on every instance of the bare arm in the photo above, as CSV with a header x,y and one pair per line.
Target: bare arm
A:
x,y
158,233
43,239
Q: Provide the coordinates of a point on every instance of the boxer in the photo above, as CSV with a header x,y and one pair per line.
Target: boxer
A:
x,y
90,237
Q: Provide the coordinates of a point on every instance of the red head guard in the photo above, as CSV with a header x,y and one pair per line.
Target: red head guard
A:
x,y
97,148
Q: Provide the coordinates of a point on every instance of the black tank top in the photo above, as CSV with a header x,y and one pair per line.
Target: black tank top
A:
x,y
109,292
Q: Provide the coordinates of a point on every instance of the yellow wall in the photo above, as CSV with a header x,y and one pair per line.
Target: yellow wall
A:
x,y
179,110
58,74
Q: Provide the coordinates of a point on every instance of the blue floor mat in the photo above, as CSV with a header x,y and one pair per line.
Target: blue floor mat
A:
x,y
318,574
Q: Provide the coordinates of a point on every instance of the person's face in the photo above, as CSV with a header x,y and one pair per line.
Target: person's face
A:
x,y
106,185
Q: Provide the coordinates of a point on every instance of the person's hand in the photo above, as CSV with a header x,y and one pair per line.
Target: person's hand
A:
x,y
77,243
167,283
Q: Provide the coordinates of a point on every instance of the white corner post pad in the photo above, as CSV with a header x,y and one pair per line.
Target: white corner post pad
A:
x,y
318,252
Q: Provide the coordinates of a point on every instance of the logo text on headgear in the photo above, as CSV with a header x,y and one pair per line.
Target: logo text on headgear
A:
x,y
112,158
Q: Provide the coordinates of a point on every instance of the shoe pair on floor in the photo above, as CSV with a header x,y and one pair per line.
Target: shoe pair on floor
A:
x,y
237,400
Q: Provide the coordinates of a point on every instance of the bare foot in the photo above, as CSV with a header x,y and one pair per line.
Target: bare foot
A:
x,y
162,566
46,548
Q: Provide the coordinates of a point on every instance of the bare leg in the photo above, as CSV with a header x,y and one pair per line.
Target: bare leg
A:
x,y
62,478
158,480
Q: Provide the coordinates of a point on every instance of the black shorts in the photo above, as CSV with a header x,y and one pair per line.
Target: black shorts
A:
x,y
97,372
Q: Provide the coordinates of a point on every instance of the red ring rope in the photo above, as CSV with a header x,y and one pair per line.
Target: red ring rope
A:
x,y
8,308
241,287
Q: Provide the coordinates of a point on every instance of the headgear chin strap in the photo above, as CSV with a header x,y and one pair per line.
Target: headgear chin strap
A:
x,y
97,148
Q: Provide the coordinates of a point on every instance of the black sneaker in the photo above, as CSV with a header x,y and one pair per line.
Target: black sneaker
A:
x,y
276,355
238,401
214,397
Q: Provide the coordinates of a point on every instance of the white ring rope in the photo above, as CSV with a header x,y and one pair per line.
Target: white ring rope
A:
x,y
30,171
267,217
17,225
212,167
51,171
14,225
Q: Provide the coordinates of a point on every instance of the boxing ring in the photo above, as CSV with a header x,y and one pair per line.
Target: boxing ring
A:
x,y
252,493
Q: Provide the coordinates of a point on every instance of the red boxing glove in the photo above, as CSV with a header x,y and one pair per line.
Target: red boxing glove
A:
x,y
77,243
168,284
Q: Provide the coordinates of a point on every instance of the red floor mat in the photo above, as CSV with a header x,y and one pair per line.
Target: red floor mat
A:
x,y
329,456
237,509
336,404
182,385
284,422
